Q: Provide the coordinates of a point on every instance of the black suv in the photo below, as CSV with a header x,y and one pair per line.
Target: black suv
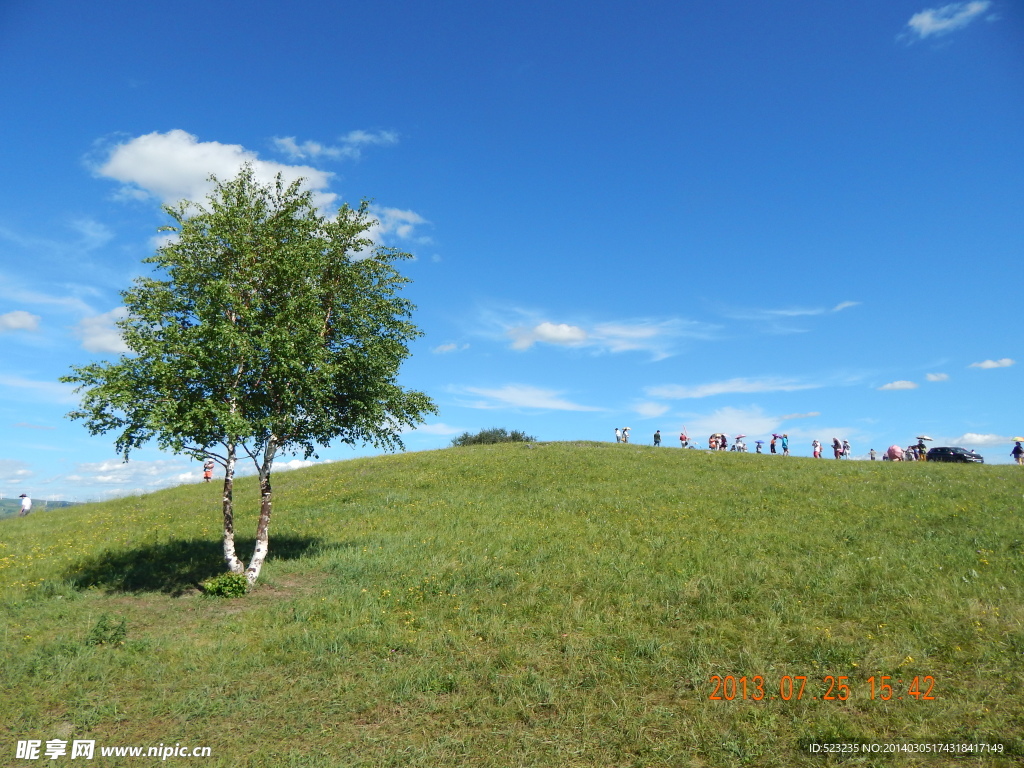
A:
x,y
955,454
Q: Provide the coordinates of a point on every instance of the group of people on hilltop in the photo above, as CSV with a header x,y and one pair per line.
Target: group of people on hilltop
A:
x,y
917,452
840,448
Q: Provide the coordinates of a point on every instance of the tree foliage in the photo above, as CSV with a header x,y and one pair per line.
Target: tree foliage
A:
x,y
491,436
266,327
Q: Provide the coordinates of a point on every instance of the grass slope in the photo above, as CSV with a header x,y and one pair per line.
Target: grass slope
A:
x,y
11,507
563,604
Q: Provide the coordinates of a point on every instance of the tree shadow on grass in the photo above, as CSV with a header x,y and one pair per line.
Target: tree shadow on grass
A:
x,y
171,567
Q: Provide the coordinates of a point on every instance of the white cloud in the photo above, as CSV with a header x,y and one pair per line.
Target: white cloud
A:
x,y
936,376
99,333
129,477
283,466
648,410
810,415
647,335
359,138
732,386
794,312
903,384
397,222
1003,363
549,333
437,429
14,472
62,303
653,336
444,349
946,19
19,320
732,421
845,305
971,439
176,165
523,396
92,234
350,146
47,391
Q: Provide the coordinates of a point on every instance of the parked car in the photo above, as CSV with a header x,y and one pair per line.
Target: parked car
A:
x,y
955,454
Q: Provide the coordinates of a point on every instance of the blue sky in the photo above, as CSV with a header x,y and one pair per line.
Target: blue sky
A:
x,y
797,216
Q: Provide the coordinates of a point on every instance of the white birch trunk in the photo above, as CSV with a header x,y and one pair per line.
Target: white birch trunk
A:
x,y
230,558
263,528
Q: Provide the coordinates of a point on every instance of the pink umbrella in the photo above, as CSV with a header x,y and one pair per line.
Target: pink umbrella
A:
x,y
740,436
895,453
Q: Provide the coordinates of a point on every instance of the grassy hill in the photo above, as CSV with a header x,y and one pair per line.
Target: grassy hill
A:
x,y
564,604
11,507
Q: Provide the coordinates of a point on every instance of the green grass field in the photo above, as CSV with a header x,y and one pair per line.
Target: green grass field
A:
x,y
11,507
561,604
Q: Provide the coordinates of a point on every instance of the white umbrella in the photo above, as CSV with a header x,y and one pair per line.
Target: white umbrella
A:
x,y
922,437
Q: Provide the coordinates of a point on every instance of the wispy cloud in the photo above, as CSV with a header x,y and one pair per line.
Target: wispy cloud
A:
x,y
47,391
1003,363
19,320
15,291
973,439
845,305
732,421
349,146
936,377
445,349
14,472
649,410
945,19
903,384
90,235
438,428
731,386
786,320
658,338
523,396
117,477
787,312
810,415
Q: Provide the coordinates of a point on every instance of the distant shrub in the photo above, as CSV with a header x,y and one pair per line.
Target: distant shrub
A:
x,y
494,435
226,585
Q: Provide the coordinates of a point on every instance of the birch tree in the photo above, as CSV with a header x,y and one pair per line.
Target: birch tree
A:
x,y
265,328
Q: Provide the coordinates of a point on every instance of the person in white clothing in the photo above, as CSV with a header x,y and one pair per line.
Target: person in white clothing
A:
x,y
26,505
618,435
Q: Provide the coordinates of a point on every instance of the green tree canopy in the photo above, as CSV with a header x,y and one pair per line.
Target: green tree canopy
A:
x,y
267,327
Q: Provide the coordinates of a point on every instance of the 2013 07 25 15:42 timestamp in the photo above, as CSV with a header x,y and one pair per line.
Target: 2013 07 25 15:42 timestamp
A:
x,y
823,688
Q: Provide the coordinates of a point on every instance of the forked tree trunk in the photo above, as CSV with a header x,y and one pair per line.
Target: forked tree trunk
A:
x,y
266,503
230,558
